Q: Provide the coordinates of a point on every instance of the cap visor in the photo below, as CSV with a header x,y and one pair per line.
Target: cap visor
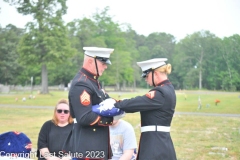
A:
x,y
108,62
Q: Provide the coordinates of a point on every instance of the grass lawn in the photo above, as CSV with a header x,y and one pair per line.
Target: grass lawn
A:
x,y
194,137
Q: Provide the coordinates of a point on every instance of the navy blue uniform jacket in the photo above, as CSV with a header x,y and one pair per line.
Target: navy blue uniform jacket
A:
x,y
156,108
91,132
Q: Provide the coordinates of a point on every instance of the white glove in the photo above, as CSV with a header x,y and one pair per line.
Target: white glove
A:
x,y
108,104
119,116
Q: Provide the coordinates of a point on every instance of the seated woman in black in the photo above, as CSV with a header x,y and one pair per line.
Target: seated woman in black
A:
x,y
54,132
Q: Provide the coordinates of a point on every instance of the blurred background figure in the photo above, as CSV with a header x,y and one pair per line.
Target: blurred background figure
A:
x,y
123,140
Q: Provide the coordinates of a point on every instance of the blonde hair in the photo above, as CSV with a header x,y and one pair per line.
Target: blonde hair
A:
x,y
54,119
165,69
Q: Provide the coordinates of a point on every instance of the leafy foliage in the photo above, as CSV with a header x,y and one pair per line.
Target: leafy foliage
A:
x,y
52,52
9,66
45,42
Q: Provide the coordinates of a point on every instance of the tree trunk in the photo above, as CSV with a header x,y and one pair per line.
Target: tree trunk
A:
x,y
124,86
117,88
200,78
117,77
200,68
44,79
134,83
228,68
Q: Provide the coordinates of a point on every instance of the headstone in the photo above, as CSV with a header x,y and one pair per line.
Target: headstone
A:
x,y
199,103
24,99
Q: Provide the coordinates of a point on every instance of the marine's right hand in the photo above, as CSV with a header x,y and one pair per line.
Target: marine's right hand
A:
x,y
108,104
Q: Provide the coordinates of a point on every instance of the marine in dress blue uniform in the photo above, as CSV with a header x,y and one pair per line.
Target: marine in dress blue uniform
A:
x,y
156,108
91,131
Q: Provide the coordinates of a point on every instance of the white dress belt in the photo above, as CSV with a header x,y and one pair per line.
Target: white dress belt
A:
x,y
155,128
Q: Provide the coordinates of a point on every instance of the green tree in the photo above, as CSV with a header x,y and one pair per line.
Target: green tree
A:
x,y
213,63
83,33
160,45
121,71
135,72
194,49
45,42
231,76
9,66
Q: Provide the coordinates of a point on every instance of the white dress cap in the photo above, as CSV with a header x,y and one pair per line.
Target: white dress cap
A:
x,y
152,63
98,52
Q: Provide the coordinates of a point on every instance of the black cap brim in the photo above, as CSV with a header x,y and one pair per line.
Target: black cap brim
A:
x,y
145,73
107,62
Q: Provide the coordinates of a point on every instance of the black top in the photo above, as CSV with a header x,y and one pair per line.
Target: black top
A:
x,y
52,137
156,108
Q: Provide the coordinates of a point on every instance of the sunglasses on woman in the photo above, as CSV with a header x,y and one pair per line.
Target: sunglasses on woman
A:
x,y
62,110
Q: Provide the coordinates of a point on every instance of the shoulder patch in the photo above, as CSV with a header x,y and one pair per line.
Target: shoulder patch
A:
x,y
85,98
151,94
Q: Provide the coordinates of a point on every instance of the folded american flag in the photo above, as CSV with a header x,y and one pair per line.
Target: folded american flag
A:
x,y
101,110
